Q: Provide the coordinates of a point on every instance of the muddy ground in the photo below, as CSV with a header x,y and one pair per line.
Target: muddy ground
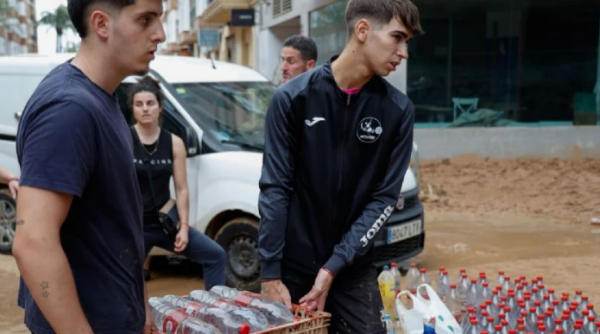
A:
x,y
526,217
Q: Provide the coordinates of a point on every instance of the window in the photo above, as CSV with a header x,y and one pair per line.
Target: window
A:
x,y
192,13
327,27
281,7
511,62
231,111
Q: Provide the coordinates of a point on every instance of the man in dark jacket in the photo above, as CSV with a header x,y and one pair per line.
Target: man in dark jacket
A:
x,y
338,141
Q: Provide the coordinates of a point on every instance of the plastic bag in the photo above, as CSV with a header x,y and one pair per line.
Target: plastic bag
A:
x,y
425,308
412,320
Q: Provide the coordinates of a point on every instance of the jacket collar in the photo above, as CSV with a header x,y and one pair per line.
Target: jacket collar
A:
x,y
328,74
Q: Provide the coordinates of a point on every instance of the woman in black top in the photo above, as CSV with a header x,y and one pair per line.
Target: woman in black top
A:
x,y
164,154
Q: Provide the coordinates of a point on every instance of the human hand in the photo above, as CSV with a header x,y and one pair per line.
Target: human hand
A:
x,y
317,296
276,291
150,326
182,239
13,186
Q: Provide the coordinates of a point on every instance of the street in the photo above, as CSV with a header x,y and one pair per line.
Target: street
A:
x,y
480,215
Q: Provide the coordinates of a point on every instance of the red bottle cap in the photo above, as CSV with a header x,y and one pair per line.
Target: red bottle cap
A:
x,y
244,329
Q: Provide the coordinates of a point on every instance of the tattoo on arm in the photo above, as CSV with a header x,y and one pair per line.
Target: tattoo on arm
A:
x,y
20,222
45,287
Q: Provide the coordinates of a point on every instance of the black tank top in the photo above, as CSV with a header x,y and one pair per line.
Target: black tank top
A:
x,y
158,157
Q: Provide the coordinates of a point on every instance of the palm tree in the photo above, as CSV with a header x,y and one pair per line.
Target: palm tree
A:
x,y
59,20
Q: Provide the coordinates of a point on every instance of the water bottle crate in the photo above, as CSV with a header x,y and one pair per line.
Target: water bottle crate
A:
x,y
306,321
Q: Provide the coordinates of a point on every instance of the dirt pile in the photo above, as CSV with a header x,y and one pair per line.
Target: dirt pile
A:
x,y
565,189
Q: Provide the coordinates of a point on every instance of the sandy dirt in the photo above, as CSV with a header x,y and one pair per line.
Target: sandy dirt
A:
x,y
562,189
526,217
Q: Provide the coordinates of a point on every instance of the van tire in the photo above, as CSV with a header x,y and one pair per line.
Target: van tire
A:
x,y
239,239
8,220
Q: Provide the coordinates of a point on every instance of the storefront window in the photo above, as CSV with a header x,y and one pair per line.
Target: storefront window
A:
x,y
505,62
327,27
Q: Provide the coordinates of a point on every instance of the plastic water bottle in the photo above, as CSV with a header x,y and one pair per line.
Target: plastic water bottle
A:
x,y
507,285
590,326
453,303
440,274
473,293
482,279
257,321
387,288
460,275
500,278
224,321
275,312
443,286
389,325
424,279
578,295
584,303
463,287
397,277
590,308
171,320
411,278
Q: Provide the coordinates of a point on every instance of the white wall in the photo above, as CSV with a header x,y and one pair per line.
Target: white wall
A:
x,y
171,30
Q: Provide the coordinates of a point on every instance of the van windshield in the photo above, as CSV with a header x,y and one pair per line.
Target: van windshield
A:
x,y
234,112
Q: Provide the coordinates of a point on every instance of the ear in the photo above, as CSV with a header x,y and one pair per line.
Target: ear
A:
x,y
99,24
310,64
362,29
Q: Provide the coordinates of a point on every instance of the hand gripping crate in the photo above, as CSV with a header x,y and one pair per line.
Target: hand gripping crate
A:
x,y
306,322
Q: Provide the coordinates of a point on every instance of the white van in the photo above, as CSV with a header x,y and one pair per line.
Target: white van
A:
x,y
218,109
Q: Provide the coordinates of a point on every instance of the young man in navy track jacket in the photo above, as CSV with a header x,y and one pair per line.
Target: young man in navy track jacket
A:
x,y
338,141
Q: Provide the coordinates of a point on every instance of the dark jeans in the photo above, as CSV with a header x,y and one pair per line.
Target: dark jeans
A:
x,y
200,249
354,301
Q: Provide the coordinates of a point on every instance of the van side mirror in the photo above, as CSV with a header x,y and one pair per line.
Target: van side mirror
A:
x,y
192,143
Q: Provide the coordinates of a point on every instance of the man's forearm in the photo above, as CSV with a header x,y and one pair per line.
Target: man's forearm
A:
x,y
46,272
183,206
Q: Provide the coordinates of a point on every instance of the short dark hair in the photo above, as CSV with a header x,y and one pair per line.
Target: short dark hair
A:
x,y
79,10
146,84
382,12
305,45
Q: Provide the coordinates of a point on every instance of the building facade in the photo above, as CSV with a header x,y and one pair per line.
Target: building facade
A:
x,y
480,62
18,33
221,29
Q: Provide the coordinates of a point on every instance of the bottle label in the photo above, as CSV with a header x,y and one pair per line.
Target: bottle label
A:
x,y
192,308
243,300
173,321
388,290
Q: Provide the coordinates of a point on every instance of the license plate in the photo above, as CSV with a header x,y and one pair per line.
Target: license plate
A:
x,y
404,231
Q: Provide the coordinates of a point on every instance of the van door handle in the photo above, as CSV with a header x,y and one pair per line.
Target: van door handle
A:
x,y
18,115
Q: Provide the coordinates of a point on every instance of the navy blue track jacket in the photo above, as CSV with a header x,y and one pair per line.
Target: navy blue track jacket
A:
x,y
332,172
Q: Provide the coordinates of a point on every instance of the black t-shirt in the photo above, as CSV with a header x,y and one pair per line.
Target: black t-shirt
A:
x,y
74,139
154,168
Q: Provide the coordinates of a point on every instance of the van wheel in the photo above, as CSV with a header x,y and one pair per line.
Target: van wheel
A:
x,y
8,220
239,238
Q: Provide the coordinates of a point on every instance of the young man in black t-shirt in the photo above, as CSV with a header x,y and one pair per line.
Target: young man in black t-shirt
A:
x,y
79,240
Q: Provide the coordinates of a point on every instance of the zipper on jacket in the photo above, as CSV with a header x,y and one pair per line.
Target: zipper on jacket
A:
x,y
342,151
